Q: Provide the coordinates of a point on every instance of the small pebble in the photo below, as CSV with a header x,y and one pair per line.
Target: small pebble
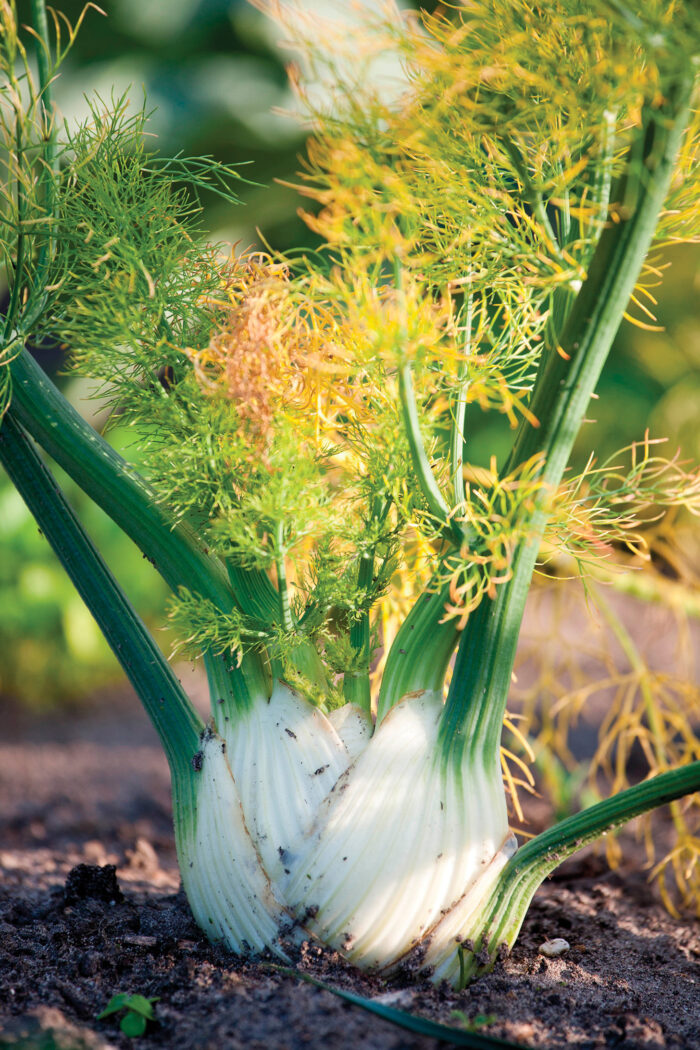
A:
x,y
554,948
139,940
401,997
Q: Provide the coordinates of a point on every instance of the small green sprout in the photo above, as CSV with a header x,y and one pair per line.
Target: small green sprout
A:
x,y
475,1023
138,1011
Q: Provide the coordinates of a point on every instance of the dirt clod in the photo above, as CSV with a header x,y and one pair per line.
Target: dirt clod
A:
x,y
91,881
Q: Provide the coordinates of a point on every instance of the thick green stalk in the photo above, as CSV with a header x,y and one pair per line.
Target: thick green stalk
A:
x,y
568,375
421,651
121,492
175,719
254,591
113,484
502,917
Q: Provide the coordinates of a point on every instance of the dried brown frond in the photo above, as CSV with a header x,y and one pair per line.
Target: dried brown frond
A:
x,y
248,359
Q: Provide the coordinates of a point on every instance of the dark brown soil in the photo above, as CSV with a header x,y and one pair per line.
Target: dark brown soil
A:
x,y
93,789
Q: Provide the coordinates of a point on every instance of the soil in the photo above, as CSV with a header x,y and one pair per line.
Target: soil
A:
x,y
92,788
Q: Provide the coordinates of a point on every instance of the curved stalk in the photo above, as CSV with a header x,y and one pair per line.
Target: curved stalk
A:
x,y
120,491
535,200
500,922
112,483
175,719
421,464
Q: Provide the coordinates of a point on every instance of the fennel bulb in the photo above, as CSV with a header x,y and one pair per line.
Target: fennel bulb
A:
x,y
373,845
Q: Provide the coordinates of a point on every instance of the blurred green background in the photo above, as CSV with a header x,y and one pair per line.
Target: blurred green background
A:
x,y
215,78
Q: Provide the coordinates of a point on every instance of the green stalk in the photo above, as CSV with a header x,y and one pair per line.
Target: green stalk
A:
x,y
356,687
177,723
113,484
437,506
535,200
50,169
457,438
255,594
568,375
19,261
420,653
500,921
284,611
121,492
43,61
421,464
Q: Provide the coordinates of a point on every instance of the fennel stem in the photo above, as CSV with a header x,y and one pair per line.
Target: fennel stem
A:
x,y
121,492
473,716
356,687
503,913
177,723
50,169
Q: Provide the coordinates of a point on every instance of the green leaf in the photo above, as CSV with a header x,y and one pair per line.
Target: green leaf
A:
x,y
420,1025
133,1024
115,1004
139,1004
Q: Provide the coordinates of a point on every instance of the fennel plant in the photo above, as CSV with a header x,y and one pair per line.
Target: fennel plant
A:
x,y
304,425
